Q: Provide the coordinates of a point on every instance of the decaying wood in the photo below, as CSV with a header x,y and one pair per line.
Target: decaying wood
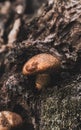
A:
x,y
55,30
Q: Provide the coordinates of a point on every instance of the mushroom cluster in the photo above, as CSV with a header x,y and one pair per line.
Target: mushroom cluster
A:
x,y
41,65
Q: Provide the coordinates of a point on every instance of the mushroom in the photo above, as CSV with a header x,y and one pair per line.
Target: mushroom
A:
x,y
10,120
41,65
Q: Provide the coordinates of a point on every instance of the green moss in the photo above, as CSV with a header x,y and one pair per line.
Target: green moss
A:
x,y
61,108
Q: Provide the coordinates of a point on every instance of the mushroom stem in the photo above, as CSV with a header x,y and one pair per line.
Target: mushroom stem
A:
x,y
42,80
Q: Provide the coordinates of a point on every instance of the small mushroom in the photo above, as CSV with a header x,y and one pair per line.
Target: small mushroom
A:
x,y
10,120
41,65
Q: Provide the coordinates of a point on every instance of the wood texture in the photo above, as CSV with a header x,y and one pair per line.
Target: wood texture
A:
x,y
55,30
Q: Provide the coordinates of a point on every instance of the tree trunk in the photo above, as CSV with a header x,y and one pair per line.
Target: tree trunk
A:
x,y
54,29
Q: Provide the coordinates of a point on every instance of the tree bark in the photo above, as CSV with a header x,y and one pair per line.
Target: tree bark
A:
x,y
55,30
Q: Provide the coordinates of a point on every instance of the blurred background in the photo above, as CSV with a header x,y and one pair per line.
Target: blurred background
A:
x,y
13,9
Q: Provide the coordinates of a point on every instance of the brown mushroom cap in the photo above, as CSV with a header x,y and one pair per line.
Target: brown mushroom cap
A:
x,y
41,63
10,120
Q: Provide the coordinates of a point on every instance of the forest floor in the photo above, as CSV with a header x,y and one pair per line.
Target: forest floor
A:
x,y
25,31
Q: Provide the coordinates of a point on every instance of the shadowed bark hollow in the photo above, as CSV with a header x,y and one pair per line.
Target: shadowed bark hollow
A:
x,y
54,28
